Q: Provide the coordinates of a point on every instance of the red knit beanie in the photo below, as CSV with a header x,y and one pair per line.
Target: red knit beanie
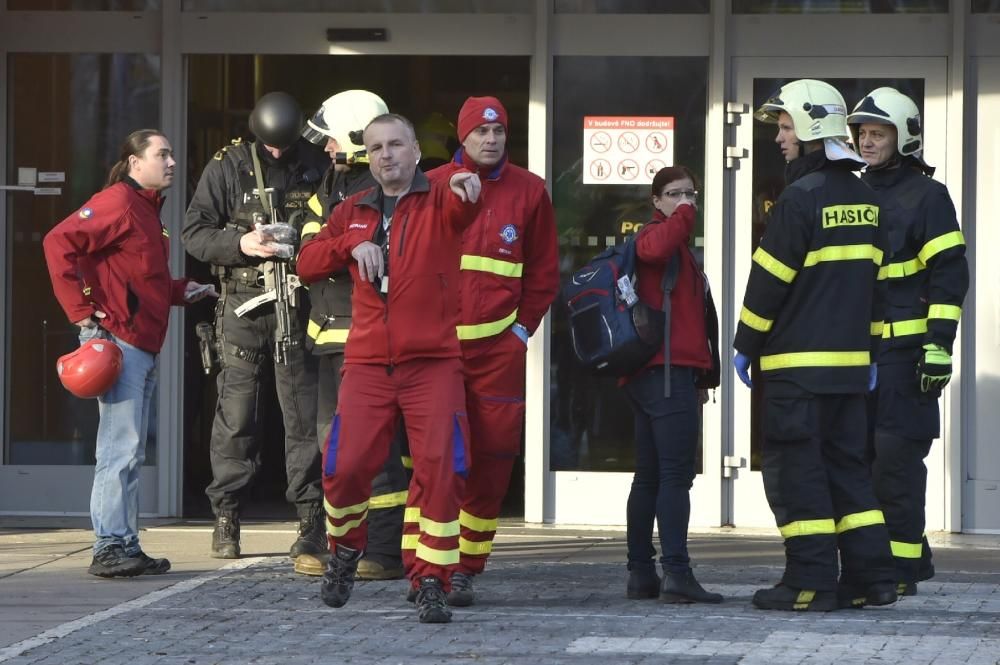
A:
x,y
480,111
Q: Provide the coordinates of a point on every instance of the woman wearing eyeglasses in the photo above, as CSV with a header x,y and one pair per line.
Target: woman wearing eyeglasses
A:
x,y
666,427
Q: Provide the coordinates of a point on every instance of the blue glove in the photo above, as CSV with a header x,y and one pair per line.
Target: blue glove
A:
x,y
742,365
521,332
872,377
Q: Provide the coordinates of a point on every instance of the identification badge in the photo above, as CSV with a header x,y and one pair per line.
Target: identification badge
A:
x,y
384,288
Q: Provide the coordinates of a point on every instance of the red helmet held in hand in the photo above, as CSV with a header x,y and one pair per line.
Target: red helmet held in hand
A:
x,y
91,370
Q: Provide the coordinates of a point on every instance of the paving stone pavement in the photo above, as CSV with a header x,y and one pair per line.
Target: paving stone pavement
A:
x,y
257,611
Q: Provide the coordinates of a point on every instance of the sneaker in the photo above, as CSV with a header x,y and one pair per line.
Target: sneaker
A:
x,y
643,582
226,536
371,568
112,561
684,588
853,596
432,605
461,594
312,533
338,580
311,564
152,566
783,597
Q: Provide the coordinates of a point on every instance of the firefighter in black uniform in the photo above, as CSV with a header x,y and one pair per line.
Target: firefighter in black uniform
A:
x,y
219,229
927,277
337,126
812,318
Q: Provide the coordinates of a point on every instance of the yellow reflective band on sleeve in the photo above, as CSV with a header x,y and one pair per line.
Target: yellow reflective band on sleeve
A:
x,y
477,523
858,520
877,328
310,228
382,501
410,541
773,266
754,321
904,328
439,529
495,266
411,514
843,253
906,550
331,336
903,268
939,244
407,461
440,557
815,359
480,330
475,548
950,312
338,531
315,205
342,512
808,528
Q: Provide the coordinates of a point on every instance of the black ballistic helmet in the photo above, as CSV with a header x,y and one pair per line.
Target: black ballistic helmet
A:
x,y
277,119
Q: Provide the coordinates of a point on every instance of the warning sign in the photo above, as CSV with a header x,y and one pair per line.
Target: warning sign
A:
x,y
626,150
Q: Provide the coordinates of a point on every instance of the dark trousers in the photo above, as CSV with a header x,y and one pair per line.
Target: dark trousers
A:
x,y
666,440
905,423
819,488
389,487
247,343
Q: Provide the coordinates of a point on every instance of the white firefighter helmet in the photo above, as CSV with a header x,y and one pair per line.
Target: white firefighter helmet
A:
x,y
816,108
888,106
343,117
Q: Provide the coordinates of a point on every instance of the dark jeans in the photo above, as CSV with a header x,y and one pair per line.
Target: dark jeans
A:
x,y
666,440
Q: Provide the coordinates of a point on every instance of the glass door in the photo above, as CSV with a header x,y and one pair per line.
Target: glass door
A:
x,y
759,181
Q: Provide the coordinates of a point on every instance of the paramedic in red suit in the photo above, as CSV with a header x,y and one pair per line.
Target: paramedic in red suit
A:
x,y
667,424
510,276
401,241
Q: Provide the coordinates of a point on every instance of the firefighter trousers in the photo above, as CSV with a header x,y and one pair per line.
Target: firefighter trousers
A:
x,y
904,423
246,344
430,396
389,487
818,486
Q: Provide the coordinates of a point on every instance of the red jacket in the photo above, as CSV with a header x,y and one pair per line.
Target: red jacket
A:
x,y
656,242
510,261
112,255
418,318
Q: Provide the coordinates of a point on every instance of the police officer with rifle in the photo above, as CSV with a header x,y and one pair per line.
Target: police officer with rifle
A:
x,y
243,220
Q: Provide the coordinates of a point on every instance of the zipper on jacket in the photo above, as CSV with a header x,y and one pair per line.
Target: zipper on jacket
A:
x,y
402,233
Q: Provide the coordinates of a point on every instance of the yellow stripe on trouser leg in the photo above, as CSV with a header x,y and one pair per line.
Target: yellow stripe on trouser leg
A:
x,y
438,529
410,541
858,520
440,557
474,523
338,531
475,547
411,521
808,528
390,500
906,550
337,513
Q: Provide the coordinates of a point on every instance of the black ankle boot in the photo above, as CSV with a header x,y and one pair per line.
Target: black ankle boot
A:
x,y
312,532
643,582
684,588
226,536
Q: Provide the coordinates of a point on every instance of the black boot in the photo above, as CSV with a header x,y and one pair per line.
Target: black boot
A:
x,y
432,605
684,588
906,589
338,580
856,596
643,582
782,597
226,536
312,532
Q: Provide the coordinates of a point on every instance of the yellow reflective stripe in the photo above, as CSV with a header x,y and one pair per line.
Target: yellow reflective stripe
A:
x,y
815,359
407,461
843,253
883,273
858,520
310,228
410,541
903,268
808,528
348,510
337,531
754,321
475,547
906,550
440,557
803,599
480,330
904,328
331,336
877,328
315,205
411,514
388,500
477,523
495,266
164,231
773,266
950,312
439,529
939,244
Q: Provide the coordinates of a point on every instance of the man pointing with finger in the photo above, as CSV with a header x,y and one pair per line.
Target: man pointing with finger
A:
x,y
401,241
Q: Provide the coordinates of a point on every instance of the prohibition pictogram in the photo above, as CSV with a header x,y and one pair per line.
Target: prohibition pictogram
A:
x,y
656,142
600,142
600,169
628,142
653,166
628,169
